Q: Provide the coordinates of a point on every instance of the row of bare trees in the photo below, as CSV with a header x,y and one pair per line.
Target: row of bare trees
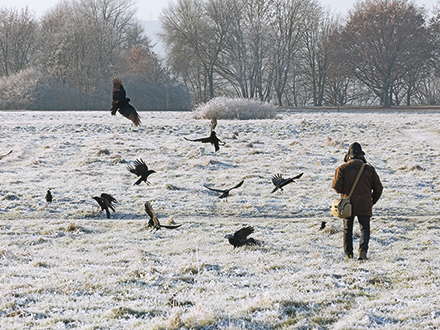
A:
x,y
288,52
67,59
295,53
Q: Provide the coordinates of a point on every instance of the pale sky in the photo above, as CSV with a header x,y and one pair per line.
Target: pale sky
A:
x,y
150,9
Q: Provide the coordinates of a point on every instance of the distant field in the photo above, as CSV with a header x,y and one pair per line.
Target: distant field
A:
x,y
64,265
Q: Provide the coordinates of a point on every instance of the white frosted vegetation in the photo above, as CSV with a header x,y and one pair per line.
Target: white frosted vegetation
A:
x,y
240,108
64,265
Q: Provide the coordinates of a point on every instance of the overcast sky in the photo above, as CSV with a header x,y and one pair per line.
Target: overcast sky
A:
x,y
150,9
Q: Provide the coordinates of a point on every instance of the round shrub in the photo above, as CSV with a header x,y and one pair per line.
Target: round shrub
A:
x,y
235,108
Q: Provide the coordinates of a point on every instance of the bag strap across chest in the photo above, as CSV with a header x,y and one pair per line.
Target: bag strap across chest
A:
x,y
356,181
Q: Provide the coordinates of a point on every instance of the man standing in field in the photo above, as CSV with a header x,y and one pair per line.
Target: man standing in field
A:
x,y
366,193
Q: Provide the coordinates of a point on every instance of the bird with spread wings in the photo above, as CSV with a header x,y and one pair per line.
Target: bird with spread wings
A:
x,y
224,192
212,138
122,104
154,220
279,182
240,237
141,170
106,202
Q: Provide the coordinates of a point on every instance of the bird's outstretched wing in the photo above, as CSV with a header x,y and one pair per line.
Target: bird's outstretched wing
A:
x,y
216,190
277,179
128,111
244,232
108,201
298,176
3,156
238,185
203,140
119,95
139,167
153,217
171,227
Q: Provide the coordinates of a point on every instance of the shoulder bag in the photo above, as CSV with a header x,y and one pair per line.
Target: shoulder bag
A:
x,y
341,207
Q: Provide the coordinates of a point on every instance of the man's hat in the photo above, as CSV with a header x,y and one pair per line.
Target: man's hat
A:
x,y
355,149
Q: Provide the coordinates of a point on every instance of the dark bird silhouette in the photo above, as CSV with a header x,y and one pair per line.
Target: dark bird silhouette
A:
x,y
106,202
279,182
240,237
212,138
225,192
322,225
154,221
3,156
141,170
48,196
121,103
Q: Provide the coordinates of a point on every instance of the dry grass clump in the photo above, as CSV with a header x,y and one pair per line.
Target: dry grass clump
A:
x,y
334,143
408,167
235,108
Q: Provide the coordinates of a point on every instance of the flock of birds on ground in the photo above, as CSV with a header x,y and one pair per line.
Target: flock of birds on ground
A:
x,y
106,201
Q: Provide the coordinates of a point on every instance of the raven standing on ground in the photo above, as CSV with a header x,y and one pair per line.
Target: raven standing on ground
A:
x,y
279,182
121,103
154,221
48,196
240,237
212,138
140,169
225,193
105,201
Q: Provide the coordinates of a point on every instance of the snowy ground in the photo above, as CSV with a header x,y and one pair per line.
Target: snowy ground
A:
x,y
64,265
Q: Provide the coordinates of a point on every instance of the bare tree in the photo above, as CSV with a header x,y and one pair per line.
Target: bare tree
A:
x,y
316,50
195,41
286,32
244,59
382,41
18,40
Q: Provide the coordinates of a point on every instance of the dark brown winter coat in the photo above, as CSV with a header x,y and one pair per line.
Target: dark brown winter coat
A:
x,y
367,191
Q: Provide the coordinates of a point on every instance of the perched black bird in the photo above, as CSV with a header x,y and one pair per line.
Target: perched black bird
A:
x,y
279,182
141,170
322,225
3,156
121,103
154,221
212,138
48,196
225,192
240,237
105,201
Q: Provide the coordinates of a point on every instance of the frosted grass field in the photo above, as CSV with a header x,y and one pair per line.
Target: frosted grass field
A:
x,y
65,266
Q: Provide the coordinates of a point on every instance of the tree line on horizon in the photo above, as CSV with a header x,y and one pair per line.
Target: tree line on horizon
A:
x,y
286,52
